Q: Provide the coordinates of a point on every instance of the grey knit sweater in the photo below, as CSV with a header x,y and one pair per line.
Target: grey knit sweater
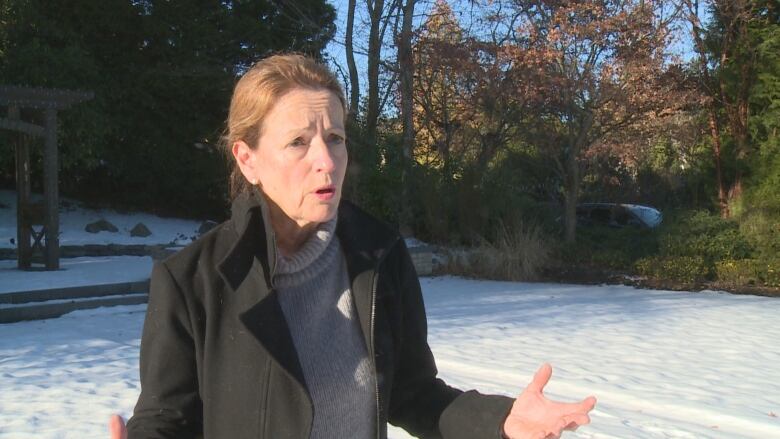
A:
x,y
316,300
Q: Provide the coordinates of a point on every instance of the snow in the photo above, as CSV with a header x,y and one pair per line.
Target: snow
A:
x,y
76,272
663,364
414,242
74,217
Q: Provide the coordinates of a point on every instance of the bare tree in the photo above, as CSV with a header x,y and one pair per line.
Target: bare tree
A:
x,y
354,80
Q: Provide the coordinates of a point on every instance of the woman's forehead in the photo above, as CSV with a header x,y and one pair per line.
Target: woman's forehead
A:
x,y
304,107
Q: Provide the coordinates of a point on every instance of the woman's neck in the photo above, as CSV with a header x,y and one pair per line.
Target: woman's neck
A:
x,y
290,235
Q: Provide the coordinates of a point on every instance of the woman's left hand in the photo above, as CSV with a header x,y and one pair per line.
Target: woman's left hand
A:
x,y
116,427
533,416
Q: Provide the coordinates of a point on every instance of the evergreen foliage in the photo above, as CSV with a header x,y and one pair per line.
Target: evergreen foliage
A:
x,y
162,73
491,139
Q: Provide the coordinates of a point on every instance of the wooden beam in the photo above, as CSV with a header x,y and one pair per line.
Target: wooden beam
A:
x,y
23,250
51,192
41,98
24,127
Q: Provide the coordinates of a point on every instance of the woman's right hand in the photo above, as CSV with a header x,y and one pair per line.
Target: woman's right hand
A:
x,y
116,427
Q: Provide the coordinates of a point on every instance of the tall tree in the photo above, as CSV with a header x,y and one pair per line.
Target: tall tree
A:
x,y
596,67
406,72
726,52
764,122
162,73
354,79
377,28
439,97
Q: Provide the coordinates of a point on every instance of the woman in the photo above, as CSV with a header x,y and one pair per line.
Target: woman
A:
x,y
302,316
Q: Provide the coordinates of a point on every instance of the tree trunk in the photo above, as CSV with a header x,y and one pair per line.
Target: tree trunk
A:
x,y
375,9
739,127
571,197
716,149
571,190
354,80
701,51
406,65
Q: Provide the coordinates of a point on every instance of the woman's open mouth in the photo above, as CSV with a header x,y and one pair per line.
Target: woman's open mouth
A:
x,y
326,193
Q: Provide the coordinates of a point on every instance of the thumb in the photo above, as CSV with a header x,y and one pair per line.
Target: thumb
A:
x,y
116,427
541,378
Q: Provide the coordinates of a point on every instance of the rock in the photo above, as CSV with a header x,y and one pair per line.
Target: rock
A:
x,y
205,226
140,230
100,225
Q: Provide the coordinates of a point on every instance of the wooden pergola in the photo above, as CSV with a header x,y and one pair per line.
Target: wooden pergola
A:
x,y
44,215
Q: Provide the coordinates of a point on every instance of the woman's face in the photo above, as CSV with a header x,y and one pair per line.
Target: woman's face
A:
x,y
300,160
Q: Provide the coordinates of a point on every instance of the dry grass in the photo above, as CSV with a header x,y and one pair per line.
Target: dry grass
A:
x,y
517,254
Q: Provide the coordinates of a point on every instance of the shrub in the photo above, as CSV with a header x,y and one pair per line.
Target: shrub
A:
x,y
749,272
685,269
612,258
608,248
738,272
761,228
703,234
516,254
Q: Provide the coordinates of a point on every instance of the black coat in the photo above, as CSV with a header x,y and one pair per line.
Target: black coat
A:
x,y
217,357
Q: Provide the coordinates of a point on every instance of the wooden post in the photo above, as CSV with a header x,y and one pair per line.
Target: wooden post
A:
x,y
50,101
51,191
24,252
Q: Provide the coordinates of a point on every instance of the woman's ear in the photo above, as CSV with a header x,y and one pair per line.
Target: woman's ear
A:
x,y
246,158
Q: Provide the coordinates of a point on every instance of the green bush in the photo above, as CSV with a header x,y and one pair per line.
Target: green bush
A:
x,y
612,258
685,269
738,272
608,248
761,228
749,272
703,234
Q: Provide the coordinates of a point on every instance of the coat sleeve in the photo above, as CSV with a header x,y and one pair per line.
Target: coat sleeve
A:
x,y
169,405
421,403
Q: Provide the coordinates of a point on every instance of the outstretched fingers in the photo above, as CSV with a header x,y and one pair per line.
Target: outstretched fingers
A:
x,y
588,403
572,422
541,378
584,406
116,427
567,423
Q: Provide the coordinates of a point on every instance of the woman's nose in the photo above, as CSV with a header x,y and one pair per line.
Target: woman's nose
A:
x,y
323,156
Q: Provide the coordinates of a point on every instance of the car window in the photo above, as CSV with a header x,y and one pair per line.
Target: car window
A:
x,y
622,218
600,215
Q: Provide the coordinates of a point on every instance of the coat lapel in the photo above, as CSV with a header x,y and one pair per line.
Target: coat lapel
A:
x,y
248,269
265,320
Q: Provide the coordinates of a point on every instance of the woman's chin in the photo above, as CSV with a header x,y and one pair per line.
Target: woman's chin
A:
x,y
322,213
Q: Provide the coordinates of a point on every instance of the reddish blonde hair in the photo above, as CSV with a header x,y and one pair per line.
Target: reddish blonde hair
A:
x,y
257,91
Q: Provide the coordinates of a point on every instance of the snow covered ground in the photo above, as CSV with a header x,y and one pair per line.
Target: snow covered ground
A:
x,y
663,364
76,272
74,217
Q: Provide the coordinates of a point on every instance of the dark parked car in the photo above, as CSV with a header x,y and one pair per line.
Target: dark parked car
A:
x,y
618,215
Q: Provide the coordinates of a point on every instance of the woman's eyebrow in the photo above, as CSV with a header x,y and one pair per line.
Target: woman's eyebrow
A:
x,y
296,130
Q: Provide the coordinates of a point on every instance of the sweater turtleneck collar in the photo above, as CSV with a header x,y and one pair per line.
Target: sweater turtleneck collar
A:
x,y
315,254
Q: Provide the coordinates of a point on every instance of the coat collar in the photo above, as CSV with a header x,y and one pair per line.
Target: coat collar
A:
x,y
248,270
364,239
254,240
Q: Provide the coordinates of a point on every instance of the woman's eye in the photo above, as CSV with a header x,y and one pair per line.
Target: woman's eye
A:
x,y
298,142
335,138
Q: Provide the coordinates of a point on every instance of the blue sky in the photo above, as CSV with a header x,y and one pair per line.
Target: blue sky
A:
x,y
335,50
